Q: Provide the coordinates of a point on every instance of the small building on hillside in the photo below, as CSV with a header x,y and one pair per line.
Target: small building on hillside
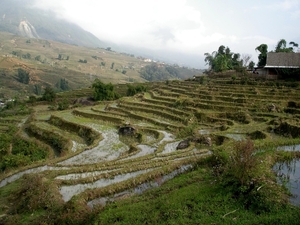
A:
x,y
276,62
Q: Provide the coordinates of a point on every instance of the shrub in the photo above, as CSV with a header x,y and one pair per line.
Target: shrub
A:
x,y
242,174
36,193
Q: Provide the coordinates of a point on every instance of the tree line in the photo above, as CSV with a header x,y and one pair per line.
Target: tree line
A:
x,y
223,59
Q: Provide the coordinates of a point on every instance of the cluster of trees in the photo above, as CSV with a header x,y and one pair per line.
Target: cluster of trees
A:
x,y
23,76
132,90
63,84
82,60
62,57
156,72
223,59
21,55
103,91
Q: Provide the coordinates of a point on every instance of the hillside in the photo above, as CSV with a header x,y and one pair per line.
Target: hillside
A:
x,y
21,18
47,62
86,164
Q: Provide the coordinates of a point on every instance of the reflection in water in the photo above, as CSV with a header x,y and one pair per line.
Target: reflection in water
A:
x,y
236,137
69,191
289,174
289,148
32,170
140,188
104,150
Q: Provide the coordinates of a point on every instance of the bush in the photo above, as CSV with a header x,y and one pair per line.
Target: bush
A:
x,y
242,174
49,95
104,91
36,193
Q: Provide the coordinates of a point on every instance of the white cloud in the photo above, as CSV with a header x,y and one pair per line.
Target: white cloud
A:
x,y
189,27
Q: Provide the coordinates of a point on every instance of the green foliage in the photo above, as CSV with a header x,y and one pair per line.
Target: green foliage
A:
x,y
155,72
26,56
223,60
49,95
242,174
22,152
37,58
102,63
82,60
62,105
23,76
35,193
32,99
251,65
262,57
281,46
132,90
37,89
63,84
124,71
103,91
112,65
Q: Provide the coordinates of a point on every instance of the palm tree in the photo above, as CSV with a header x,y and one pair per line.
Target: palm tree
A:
x,y
281,46
209,58
294,45
262,57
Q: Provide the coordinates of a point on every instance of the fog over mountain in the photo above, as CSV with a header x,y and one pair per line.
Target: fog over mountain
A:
x,y
26,18
172,31
21,18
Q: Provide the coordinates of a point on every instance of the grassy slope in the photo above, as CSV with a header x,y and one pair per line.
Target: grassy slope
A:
x,y
49,70
52,70
192,198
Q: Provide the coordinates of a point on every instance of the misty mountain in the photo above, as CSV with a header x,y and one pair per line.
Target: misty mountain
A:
x,y
21,18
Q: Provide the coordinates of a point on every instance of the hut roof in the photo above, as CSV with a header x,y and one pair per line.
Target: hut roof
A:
x,y
283,60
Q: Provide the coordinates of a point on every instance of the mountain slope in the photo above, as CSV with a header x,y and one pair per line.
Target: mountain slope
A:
x,y
19,17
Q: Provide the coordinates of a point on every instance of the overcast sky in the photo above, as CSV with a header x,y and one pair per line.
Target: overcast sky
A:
x,y
186,26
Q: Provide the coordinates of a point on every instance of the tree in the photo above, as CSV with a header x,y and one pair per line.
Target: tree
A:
x,y
281,46
251,65
49,95
37,58
37,89
262,57
23,76
63,84
223,59
246,58
112,65
104,91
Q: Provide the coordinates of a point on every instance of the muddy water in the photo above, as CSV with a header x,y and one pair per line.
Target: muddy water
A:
x,y
68,192
289,148
145,150
140,188
108,149
289,174
75,176
167,137
33,170
170,147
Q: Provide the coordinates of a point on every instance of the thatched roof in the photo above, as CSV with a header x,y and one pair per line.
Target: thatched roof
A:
x,y
283,60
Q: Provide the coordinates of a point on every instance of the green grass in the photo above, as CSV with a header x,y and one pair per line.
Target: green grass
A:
x,y
192,198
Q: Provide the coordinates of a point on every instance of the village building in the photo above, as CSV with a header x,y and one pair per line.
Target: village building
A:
x,y
276,62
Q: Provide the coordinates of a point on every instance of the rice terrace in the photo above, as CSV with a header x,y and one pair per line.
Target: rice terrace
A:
x,y
218,134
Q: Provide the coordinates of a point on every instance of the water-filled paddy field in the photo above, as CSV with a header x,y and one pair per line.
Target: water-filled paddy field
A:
x,y
171,127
